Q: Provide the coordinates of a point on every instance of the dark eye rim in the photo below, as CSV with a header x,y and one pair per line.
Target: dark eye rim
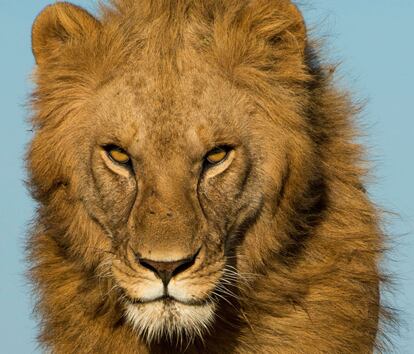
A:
x,y
110,147
226,148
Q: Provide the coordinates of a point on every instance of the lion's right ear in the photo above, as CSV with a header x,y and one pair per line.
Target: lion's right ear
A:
x,y
56,25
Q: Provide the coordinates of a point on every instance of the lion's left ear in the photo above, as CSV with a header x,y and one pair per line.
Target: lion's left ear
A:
x,y
280,21
58,24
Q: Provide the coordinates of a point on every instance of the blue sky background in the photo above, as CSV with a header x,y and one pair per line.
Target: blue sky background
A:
x,y
374,40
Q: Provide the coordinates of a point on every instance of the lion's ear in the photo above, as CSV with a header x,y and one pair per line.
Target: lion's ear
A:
x,y
58,24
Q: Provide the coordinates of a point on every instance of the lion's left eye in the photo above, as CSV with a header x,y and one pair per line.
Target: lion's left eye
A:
x,y
217,155
118,154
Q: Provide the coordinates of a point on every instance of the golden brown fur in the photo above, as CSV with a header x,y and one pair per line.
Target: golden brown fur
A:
x,y
289,241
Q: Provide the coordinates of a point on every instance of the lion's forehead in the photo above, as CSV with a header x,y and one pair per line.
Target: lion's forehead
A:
x,y
175,114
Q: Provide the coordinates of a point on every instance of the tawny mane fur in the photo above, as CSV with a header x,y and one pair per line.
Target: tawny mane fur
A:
x,y
278,244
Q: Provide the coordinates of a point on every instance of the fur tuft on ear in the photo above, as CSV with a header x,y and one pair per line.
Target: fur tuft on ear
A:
x,y
57,24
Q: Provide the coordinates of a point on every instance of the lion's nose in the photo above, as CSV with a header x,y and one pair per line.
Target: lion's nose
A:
x,y
166,270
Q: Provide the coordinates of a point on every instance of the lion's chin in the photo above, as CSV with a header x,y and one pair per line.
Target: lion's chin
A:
x,y
172,320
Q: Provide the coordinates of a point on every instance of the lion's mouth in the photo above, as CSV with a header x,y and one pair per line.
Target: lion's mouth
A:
x,y
182,308
168,300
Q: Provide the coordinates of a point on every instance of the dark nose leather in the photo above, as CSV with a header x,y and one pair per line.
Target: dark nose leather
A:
x,y
166,270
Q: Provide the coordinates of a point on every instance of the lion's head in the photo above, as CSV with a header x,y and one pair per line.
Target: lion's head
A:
x,y
177,154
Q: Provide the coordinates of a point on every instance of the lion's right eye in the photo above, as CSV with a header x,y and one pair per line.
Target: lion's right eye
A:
x,y
117,154
217,155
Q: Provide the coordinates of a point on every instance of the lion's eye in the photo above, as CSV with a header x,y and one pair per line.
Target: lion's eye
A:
x,y
217,155
118,154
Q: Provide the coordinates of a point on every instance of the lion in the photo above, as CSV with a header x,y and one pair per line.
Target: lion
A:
x,y
199,184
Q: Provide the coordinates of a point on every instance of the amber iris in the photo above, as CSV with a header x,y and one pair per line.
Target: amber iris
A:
x,y
118,155
216,155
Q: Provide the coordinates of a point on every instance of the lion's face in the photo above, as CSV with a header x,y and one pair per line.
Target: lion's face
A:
x,y
172,178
